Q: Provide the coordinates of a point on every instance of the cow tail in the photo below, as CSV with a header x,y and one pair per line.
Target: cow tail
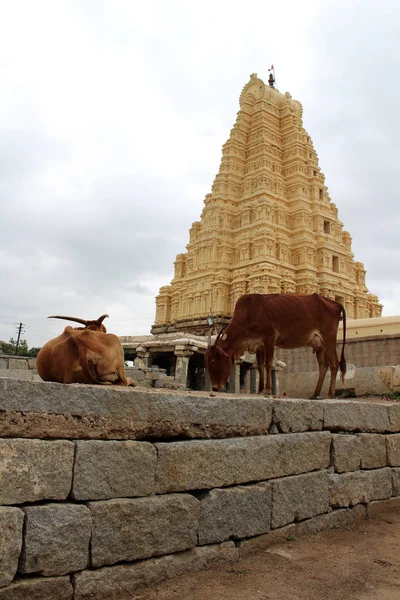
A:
x,y
342,363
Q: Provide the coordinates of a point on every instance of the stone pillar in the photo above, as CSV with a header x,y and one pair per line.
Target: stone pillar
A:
x,y
143,359
234,378
254,380
247,382
278,366
183,352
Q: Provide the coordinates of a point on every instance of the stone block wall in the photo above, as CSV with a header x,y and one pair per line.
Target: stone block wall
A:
x,y
105,490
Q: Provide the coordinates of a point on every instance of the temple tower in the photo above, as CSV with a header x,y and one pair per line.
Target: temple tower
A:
x,y
267,226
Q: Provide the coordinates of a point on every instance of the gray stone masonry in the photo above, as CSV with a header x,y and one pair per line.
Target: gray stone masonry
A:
x,y
56,539
349,489
396,482
345,415
11,522
206,464
293,416
381,483
234,513
32,470
126,530
375,509
122,581
372,449
53,410
393,450
345,453
49,588
299,497
337,519
110,469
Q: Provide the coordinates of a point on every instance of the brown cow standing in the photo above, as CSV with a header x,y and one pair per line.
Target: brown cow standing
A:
x,y
83,355
285,321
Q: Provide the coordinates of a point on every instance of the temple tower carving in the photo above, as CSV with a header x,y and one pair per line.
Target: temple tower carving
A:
x,y
267,226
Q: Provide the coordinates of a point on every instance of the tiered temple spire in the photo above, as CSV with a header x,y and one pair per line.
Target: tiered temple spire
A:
x,y
268,225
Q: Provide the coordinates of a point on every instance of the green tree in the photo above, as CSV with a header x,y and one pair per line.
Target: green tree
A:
x,y
10,347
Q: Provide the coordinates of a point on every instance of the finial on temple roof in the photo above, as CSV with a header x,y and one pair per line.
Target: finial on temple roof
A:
x,y
271,78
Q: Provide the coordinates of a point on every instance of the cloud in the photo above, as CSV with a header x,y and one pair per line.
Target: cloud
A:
x,y
112,118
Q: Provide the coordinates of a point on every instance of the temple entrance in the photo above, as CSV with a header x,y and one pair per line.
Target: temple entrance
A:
x,y
196,379
164,360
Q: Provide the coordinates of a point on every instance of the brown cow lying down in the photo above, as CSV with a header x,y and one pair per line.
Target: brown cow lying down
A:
x,y
285,321
83,355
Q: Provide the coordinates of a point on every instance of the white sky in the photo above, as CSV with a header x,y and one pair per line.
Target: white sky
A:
x,y
112,118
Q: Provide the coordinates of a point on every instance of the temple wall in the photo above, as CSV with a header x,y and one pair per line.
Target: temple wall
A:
x,y
104,490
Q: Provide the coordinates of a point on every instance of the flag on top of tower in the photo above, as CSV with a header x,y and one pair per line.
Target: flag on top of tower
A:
x,y
272,68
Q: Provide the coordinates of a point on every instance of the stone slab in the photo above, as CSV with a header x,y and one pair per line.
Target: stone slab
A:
x,y
53,410
11,523
337,519
345,453
56,539
109,469
43,588
381,507
372,449
126,530
299,497
381,483
206,464
393,450
395,482
262,542
32,470
349,489
122,581
291,416
234,513
344,415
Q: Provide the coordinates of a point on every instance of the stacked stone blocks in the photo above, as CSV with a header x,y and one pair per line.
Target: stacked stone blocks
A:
x,y
92,519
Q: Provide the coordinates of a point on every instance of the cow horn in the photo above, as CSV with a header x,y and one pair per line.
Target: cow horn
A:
x,y
220,333
75,319
101,319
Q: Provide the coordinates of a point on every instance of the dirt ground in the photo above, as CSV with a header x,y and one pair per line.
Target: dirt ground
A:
x,y
359,563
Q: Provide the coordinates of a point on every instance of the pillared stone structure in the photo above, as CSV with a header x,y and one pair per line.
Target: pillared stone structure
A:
x,y
268,226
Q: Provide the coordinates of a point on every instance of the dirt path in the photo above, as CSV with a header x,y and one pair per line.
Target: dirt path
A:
x,y
362,563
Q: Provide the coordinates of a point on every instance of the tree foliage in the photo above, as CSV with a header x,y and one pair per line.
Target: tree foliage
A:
x,y
23,350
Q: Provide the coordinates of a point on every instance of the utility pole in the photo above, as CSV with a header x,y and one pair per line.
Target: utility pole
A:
x,y
20,330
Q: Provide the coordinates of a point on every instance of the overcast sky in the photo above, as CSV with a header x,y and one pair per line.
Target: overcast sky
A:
x,y
112,118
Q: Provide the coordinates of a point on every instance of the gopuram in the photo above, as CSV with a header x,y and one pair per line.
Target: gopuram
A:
x,y
267,226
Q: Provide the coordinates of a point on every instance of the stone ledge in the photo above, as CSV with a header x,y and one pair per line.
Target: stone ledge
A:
x,y
52,410
121,581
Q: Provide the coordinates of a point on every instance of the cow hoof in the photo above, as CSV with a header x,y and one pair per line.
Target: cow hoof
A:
x,y
213,394
314,397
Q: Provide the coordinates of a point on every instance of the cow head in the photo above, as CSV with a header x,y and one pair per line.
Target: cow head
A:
x,y
96,325
218,364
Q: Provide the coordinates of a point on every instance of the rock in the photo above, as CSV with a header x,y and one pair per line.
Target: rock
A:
x,y
11,522
121,581
298,415
50,588
393,450
32,470
56,539
151,526
349,489
108,469
299,497
372,450
234,513
345,453
381,483
206,464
